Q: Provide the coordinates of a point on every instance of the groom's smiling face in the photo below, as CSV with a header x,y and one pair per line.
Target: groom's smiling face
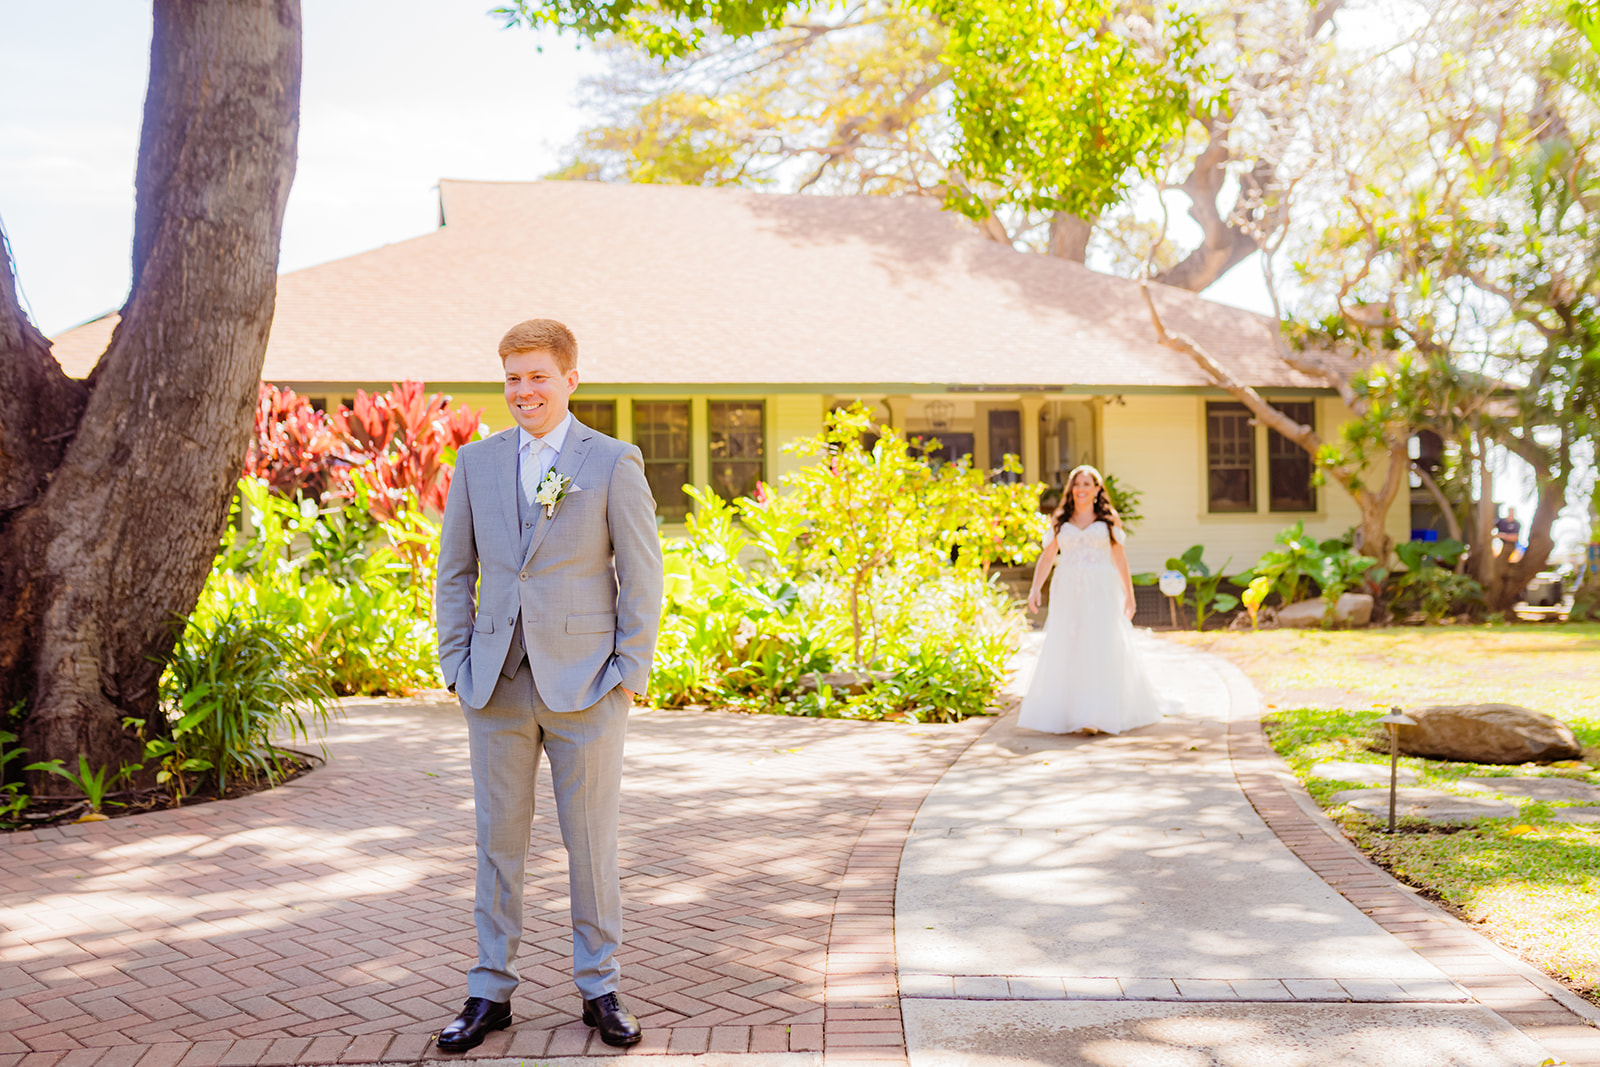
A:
x,y
537,391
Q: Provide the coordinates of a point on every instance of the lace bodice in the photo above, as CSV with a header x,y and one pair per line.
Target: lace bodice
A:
x,y
1089,547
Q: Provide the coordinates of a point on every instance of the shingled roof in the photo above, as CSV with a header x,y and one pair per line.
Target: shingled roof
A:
x,y
681,285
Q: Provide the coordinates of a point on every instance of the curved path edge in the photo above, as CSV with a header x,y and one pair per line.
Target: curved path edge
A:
x,y
1525,997
861,1003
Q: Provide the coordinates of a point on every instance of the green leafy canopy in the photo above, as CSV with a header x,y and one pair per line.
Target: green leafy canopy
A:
x,y
662,27
1058,104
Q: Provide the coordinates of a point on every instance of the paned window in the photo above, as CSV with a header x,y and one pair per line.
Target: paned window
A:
x,y
1289,466
596,414
738,441
661,430
952,446
1005,439
1230,458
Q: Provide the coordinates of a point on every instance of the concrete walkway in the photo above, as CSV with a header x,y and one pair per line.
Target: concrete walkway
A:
x,y
1118,901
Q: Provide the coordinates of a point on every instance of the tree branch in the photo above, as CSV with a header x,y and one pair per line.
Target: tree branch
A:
x,y
1452,524
1321,14
1304,436
1223,244
39,405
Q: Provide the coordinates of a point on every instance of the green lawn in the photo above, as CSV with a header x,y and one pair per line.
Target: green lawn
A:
x,y
1529,882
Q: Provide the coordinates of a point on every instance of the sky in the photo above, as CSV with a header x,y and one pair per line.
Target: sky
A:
x,y
396,95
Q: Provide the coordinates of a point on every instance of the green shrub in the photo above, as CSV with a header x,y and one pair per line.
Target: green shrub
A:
x,y
1428,585
355,593
871,559
235,680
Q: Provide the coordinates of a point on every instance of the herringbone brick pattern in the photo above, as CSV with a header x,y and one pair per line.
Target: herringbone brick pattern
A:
x,y
330,920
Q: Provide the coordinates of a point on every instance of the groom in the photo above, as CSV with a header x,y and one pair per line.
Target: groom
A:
x,y
548,598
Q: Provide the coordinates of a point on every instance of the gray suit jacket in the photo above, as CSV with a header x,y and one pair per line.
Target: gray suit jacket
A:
x,y
588,588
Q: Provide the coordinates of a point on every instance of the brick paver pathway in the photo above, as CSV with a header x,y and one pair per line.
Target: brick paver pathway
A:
x,y
330,920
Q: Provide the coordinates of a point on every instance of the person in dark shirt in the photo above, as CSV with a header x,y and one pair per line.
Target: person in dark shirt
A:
x,y
1506,531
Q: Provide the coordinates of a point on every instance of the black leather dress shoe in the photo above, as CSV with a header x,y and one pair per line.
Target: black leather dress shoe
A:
x,y
478,1019
617,1025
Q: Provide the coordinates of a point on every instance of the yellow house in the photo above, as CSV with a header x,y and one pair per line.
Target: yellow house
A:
x,y
714,325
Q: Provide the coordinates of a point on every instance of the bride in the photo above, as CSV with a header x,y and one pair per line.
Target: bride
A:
x,y
1089,677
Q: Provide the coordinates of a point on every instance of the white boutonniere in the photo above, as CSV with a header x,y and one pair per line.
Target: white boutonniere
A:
x,y
552,491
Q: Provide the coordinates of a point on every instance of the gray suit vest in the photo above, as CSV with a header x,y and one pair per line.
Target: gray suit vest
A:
x,y
525,514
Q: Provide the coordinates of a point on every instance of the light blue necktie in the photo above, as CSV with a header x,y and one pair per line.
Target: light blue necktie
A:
x,y
530,469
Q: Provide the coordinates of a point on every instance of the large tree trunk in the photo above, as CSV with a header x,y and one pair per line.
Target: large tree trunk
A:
x,y
1069,237
1504,581
117,488
1227,239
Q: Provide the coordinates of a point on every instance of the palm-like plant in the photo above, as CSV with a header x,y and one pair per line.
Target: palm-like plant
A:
x,y
233,682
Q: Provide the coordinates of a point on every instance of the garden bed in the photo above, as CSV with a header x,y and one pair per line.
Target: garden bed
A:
x,y
43,812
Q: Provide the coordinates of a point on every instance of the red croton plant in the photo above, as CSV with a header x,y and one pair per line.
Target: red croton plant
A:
x,y
398,443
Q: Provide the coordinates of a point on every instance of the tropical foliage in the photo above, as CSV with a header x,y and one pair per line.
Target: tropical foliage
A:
x,y
1424,588
236,681
1429,586
399,446
871,561
354,594
1304,567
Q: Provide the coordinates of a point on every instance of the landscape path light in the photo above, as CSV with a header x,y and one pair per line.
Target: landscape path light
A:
x,y
1394,720
1173,583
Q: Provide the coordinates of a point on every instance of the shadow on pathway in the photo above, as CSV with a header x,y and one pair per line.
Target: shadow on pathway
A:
x,y
330,919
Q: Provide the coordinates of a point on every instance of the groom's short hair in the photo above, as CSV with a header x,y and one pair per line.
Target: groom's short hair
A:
x,y
542,335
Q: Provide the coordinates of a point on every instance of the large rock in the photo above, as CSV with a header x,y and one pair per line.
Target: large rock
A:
x,y
1579,816
1487,733
1351,609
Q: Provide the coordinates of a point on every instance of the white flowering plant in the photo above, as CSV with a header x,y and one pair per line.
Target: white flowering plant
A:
x,y
552,491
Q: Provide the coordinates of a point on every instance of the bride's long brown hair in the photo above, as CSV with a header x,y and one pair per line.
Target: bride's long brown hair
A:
x,y
1103,511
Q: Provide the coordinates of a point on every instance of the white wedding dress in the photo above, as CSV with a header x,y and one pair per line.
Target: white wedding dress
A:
x,y
1089,674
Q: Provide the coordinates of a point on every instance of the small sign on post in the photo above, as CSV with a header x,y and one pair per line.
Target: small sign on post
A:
x,y
1172,584
1394,720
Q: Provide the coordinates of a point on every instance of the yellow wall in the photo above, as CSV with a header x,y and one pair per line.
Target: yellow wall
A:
x,y
790,416
1157,446
493,403
1154,444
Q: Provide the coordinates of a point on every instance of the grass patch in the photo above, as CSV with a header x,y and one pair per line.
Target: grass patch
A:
x,y
1553,668
1529,882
